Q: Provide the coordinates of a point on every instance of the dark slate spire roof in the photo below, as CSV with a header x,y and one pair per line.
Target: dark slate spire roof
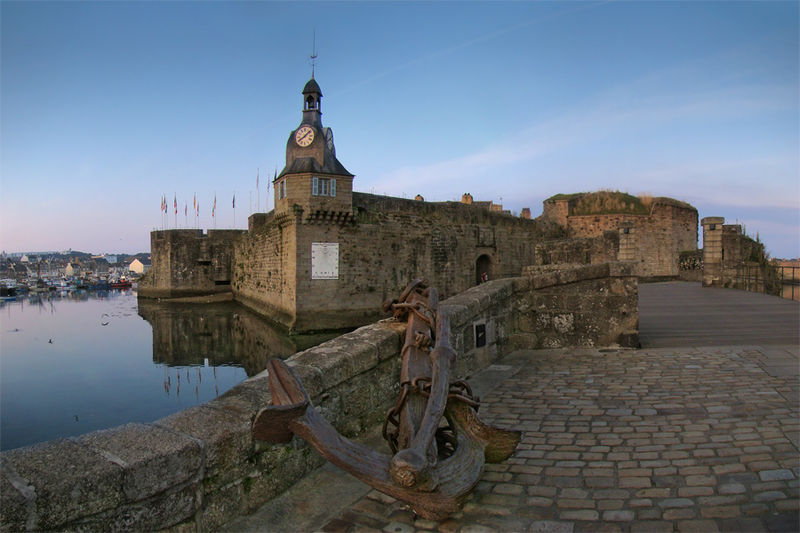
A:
x,y
303,165
312,87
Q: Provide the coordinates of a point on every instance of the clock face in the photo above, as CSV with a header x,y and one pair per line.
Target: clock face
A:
x,y
304,135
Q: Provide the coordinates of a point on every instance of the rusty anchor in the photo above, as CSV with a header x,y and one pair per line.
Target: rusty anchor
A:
x,y
438,443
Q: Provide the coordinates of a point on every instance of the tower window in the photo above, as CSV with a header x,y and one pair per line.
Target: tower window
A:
x,y
323,187
282,189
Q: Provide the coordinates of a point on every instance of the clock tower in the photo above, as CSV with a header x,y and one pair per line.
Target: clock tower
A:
x,y
313,184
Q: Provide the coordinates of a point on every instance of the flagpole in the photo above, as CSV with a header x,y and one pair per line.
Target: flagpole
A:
x,y
258,192
234,209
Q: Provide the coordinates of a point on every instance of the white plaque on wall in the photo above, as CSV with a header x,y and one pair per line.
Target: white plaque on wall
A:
x,y
324,260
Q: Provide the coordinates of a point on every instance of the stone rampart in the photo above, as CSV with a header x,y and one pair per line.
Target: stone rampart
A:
x,y
197,469
652,238
389,241
188,263
579,250
733,259
653,241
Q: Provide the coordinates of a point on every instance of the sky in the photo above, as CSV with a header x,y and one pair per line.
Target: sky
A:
x,y
106,107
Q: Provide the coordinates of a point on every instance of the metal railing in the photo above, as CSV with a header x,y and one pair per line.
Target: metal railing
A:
x,y
783,281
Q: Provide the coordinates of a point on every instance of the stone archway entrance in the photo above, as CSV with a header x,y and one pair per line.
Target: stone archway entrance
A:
x,y
483,269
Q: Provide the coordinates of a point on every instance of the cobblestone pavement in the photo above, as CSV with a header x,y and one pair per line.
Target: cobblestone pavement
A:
x,y
689,439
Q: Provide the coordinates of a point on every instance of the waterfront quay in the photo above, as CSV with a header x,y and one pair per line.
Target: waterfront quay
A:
x,y
694,435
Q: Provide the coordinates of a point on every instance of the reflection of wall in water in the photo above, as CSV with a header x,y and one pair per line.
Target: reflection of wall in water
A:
x,y
224,333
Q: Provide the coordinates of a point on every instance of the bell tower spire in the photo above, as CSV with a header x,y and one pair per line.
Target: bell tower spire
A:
x,y
312,94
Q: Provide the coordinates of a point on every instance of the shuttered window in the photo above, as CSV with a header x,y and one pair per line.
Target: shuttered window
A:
x,y
323,186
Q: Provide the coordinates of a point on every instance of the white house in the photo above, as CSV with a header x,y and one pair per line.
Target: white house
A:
x,y
139,267
72,270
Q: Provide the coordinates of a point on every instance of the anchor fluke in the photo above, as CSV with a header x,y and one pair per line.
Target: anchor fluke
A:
x,y
289,402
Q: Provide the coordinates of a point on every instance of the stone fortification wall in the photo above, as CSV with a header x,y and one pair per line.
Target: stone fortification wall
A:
x,y
578,250
188,263
652,240
197,469
733,259
395,240
390,241
264,276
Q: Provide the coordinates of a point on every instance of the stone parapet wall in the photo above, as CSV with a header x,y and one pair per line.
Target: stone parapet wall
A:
x,y
733,259
197,469
263,276
586,305
189,262
388,242
579,250
653,241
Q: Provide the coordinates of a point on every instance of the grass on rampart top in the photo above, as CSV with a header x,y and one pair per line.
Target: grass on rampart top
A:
x,y
613,202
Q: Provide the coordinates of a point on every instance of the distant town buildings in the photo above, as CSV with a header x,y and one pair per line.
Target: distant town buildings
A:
x,y
31,266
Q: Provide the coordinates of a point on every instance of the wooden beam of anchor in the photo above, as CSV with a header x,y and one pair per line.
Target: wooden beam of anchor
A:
x,y
410,465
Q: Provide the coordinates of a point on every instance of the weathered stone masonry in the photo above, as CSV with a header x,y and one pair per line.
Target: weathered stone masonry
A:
x,y
389,242
189,262
653,241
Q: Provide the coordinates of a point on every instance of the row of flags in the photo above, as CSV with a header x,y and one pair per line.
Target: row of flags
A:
x,y
196,204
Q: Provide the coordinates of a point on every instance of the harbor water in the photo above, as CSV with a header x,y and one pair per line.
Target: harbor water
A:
x,y
77,362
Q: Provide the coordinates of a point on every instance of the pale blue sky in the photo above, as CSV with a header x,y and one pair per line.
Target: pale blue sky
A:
x,y
107,106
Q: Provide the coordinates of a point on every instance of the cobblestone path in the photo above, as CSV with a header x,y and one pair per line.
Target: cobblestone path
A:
x,y
651,440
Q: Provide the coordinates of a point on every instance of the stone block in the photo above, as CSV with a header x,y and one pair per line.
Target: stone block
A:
x,y
776,475
221,505
70,481
276,469
309,376
226,437
246,398
15,505
153,459
336,363
156,513
459,314
620,269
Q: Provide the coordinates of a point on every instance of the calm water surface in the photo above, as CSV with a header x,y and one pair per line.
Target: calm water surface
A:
x,y
74,364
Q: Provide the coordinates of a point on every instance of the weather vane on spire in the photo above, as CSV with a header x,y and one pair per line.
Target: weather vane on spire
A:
x,y
314,53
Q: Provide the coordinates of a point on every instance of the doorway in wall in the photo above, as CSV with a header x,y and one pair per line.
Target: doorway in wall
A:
x,y
483,269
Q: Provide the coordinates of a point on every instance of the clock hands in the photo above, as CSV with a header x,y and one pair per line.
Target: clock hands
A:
x,y
304,136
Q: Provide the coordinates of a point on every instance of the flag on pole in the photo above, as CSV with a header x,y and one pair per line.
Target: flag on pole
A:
x,y
185,210
214,207
234,200
175,203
